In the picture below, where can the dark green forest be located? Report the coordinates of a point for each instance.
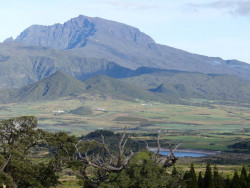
(32, 157)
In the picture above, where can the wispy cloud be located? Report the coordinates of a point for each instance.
(129, 5)
(234, 7)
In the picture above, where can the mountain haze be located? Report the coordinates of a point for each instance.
(125, 45)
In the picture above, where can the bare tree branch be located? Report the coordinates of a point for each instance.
(159, 147)
(107, 149)
(176, 147)
(166, 161)
(111, 163)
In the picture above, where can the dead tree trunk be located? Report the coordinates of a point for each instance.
(166, 161)
(112, 163)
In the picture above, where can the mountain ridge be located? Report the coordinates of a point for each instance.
(60, 85)
(125, 45)
(52, 87)
(22, 64)
(194, 85)
(174, 86)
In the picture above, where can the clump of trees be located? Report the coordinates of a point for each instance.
(96, 162)
(19, 137)
(213, 179)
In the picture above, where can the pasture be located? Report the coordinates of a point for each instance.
(211, 126)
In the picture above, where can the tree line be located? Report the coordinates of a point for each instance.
(102, 162)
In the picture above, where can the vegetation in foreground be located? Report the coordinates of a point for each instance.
(31, 157)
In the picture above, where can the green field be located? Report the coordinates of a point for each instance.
(212, 126)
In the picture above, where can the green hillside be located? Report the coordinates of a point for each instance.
(57, 85)
(60, 84)
(21, 65)
(117, 89)
(163, 86)
(177, 90)
(195, 85)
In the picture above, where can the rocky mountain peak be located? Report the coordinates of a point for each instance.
(77, 32)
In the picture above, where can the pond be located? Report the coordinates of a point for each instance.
(185, 153)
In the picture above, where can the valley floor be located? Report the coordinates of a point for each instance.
(205, 125)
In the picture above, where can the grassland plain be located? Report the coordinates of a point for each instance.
(212, 126)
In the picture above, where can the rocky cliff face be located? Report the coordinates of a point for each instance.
(76, 32)
(71, 34)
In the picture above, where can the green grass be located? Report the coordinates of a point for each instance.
(222, 125)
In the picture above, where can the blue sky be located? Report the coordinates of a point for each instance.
(219, 28)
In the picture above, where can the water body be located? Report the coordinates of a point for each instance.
(186, 152)
(183, 154)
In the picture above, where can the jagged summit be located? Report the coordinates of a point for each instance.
(76, 32)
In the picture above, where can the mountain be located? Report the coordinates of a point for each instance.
(125, 45)
(115, 88)
(194, 85)
(85, 47)
(177, 90)
(171, 87)
(22, 64)
(55, 86)
(60, 84)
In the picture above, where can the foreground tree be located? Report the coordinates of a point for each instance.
(218, 180)
(147, 174)
(97, 163)
(190, 179)
(200, 181)
(18, 137)
(151, 172)
(208, 179)
(98, 155)
(235, 181)
(243, 178)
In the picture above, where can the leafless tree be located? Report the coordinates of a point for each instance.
(166, 161)
(110, 163)
(106, 163)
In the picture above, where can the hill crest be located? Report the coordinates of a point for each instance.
(52, 87)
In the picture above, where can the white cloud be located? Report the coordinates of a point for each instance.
(234, 7)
